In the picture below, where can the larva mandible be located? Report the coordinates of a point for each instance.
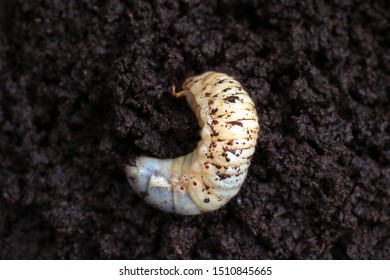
(214, 172)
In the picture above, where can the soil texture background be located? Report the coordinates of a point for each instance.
(85, 85)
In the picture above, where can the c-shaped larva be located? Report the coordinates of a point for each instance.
(214, 172)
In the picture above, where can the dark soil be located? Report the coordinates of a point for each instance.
(86, 85)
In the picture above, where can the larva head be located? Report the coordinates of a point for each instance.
(193, 88)
(195, 84)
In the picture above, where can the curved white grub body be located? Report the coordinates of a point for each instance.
(214, 172)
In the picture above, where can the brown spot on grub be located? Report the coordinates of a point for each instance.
(231, 99)
(236, 123)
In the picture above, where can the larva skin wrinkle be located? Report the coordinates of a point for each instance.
(214, 172)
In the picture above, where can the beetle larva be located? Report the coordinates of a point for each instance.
(210, 176)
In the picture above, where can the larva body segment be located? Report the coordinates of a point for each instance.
(214, 172)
